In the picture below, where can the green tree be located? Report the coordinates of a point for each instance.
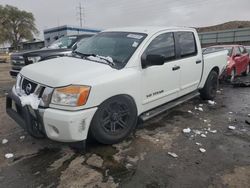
(16, 25)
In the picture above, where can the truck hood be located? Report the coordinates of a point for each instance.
(64, 71)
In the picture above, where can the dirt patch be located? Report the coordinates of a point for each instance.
(240, 177)
(80, 175)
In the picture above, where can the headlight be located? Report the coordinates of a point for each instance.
(71, 95)
(34, 59)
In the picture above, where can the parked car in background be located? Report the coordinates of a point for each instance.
(61, 47)
(111, 80)
(238, 60)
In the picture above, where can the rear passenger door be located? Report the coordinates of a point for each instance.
(190, 61)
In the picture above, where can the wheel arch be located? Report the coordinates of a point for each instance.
(125, 96)
(216, 69)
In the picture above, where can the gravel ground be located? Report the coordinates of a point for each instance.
(144, 159)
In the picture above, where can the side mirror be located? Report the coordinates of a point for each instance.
(152, 60)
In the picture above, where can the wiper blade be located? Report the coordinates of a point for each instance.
(107, 60)
(82, 54)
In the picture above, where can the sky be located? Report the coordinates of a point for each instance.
(102, 14)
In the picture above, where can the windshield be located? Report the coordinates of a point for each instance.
(219, 48)
(64, 42)
(118, 46)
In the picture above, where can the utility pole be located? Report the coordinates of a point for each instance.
(81, 14)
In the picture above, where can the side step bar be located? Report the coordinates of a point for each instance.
(158, 110)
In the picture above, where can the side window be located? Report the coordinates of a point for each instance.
(163, 45)
(243, 50)
(237, 50)
(187, 44)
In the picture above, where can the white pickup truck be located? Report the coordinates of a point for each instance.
(112, 80)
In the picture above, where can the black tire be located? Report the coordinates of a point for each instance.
(114, 120)
(247, 70)
(208, 92)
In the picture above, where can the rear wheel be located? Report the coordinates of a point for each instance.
(247, 70)
(114, 120)
(208, 92)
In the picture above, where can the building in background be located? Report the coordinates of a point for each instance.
(52, 34)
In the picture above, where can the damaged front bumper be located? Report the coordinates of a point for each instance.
(58, 125)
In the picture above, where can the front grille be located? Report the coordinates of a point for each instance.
(28, 87)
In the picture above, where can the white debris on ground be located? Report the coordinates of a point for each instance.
(200, 105)
(187, 130)
(197, 132)
(4, 141)
(248, 115)
(213, 131)
(199, 108)
(9, 155)
(205, 121)
(22, 137)
(129, 166)
(211, 102)
(218, 91)
(31, 100)
(198, 144)
(203, 135)
(230, 112)
(202, 150)
(231, 127)
(189, 111)
(174, 155)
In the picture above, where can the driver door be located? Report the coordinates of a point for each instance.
(161, 83)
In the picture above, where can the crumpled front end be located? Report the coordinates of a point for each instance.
(28, 104)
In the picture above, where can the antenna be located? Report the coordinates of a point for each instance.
(81, 14)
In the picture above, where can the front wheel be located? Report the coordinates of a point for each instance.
(208, 92)
(114, 120)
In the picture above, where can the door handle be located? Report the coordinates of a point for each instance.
(175, 68)
(198, 61)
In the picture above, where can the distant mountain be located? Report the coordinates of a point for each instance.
(225, 26)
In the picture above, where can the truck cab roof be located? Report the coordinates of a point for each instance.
(149, 30)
